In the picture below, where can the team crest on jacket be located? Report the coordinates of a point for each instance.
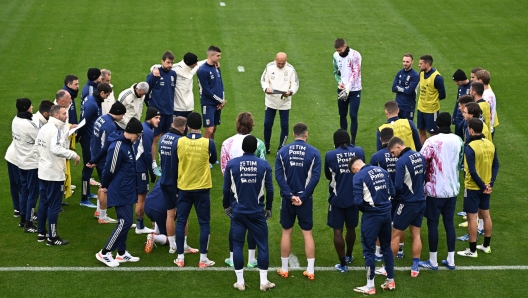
(207, 121)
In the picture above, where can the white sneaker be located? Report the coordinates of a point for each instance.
(240, 287)
(468, 253)
(73, 187)
(106, 220)
(189, 250)
(172, 250)
(484, 248)
(127, 257)
(145, 230)
(381, 271)
(267, 286)
(107, 259)
(365, 290)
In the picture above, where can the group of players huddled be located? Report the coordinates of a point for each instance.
(409, 177)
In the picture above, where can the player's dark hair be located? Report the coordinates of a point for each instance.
(167, 55)
(474, 109)
(214, 49)
(300, 129)
(338, 43)
(352, 161)
(483, 75)
(103, 87)
(427, 59)
(395, 141)
(244, 123)
(476, 69)
(69, 79)
(465, 99)
(45, 106)
(391, 106)
(179, 122)
(478, 87)
(386, 134)
(476, 124)
(408, 55)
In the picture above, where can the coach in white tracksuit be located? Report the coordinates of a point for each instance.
(132, 98)
(279, 81)
(49, 147)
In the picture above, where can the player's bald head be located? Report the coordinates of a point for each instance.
(280, 59)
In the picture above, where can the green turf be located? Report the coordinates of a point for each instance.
(42, 41)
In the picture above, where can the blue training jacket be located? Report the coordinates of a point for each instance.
(87, 90)
(155, 200)
(410, 176)
(408, 80)
(161, 95)
(457, 117)
(211, 85)
(373, 190)
(143, 149)
(104, 126)
(297, 170)
(384, 159)
(168, 158)
(90, 110)
(72, 111)
(245, 179)
(119, 173)
(336, 170)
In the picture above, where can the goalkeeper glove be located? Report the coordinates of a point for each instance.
(343, 95)
(267, 213)
(228, 211)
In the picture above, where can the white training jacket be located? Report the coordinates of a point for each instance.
(39, 119)
(133, 105)
(24, 133)
(66, 128)
(183, 92)
(10, 156)
(279, 79)
(106, 105)
(50, 149)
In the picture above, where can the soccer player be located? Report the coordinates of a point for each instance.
(168, 181)
(342, 210)
(212, 97)
(161, 96)
(279, 81)
(347, 72)
(404, 85)
(373, 188)
(90, 112)
(132, 98)
(245, 178)
(24, 132)
(432, 90)
(483, 76)
(476, 90)
(52, 155)
(409, 184)
(232, 148)
(119, 182)
(71, 85)
(481, 167)
(94, 78)
(194, 153)
(297, 171)
(103, 127)
(473, 110)
(106, 77)
(145, 166)
(443, 155)
(460, 79)
(183, 94)
(403, 128)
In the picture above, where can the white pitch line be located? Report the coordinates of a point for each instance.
(143, 269)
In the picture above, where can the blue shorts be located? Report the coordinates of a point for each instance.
(339, 216)
(164, 125)
(436, 206)
(408, 215)
(142, 183)
(211, 116)
(406, 115)
(475, 200)
(182, 114)
(303, 213)
(160, 218)
(169, 195)
(427, 121)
